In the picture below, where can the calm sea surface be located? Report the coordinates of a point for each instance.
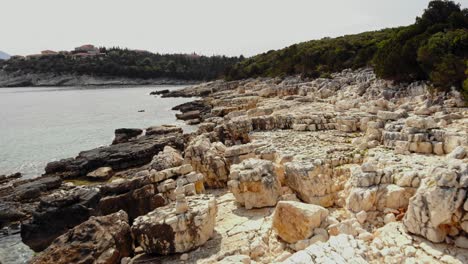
(39, 125)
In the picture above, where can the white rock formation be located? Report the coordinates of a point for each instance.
(254, 183)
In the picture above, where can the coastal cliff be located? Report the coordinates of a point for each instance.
(51, 79)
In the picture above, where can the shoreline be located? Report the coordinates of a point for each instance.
(96, 128)
(358, 154)
(14, 80)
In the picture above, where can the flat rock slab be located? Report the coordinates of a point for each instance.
(119, 157)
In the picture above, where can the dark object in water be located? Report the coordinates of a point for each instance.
(159, 92)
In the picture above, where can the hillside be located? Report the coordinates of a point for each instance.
(122, 63)
(434, 48)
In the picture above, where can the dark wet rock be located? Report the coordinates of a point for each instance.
(6, 191)
(136, 202)
(104, 239)
(122, 156)
(8, 178)
(33, 189)
(189, 115)
(192, 106)
(10, 212)
(125, 134)
(56, 214)
(159, 92)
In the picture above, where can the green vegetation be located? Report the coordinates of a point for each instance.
(125, 63)
(434, 48)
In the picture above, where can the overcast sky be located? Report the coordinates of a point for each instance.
(230, 27)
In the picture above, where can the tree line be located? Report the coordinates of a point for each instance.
(125, 63)
(434, 48)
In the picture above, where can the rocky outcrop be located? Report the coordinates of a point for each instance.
(56, 214)
(254, 183)
(163, 130)
(125, 134)
(120, 156)
(104, 239)
(172, 229)
(35, 188)
(6, 178)
(295, 221)
(135, 202)
(208, 158)
(166, 159)
(439, 209)
(101, 174)
(386, 160)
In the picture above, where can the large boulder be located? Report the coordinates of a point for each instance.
(101, 174)
(178, 227)
(135, 202)
(440, 206)
(254, 183)
(294, 221)
(314, 183)
(166, 159)
(125, 134)
(56, 214)
(208, 158)
(104, 239)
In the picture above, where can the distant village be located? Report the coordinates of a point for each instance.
(87, 50)
(81, 51)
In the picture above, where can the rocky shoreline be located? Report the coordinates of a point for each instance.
(49, 79)
(347, 169)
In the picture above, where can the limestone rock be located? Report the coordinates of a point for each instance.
(458, 153)
(236, 259)
(339, 249)
(438, 203)
(164, 231)
(104, 239)
(208, 158)
(294, 221)
(254, 183)
(166, 159)
(101, 174)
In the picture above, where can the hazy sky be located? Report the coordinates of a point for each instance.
(207, 27)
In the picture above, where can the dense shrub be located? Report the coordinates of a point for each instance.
(433, 48)
(126, 63)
